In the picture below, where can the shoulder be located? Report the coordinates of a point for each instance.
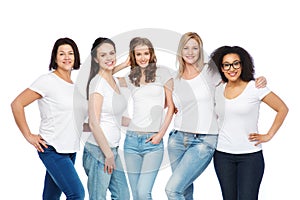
(45, 78)
(258, 92)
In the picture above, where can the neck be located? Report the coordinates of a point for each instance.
(190, 71)
(235, 83)
(107, 74)
(65, 75)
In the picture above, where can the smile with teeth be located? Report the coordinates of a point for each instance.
(109, 63)
(232, 74)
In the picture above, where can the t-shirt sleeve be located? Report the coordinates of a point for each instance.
(262, 92)
(40, 85)
(97, 86)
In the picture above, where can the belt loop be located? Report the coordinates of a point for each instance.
(195, 136)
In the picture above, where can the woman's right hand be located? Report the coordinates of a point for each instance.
(37, 141)
(109, 165)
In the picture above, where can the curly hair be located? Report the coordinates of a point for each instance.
(136, 71)
(248, 69)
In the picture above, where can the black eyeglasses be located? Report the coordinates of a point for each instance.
(235, 65)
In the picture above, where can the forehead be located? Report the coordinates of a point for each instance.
(191, 42)
(65, 47)
(231, 57)
(141, 48)
(105, 47)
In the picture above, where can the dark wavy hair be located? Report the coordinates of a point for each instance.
(135, 71)
(95, 66)
(63, 41)
(247, 65)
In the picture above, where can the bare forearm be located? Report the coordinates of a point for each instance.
(20, 119)
(280, 116)
(101, 140)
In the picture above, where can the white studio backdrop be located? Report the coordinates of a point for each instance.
(267, 29)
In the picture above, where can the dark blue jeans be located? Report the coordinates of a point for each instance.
(61, 175)
(239, 175)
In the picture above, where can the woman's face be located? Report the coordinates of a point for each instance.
(65, 57)
(231, 66)
(191, 52)
(106, 56)
(142, 55)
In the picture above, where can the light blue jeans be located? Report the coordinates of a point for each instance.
(189, 156)
(98, 181)
(143, 161)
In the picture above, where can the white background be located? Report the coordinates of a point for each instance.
(269, 30)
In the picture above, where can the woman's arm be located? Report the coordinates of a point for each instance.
(121, 66)
(168, 87)
(94, 107)
(17, 106)
(280, 107)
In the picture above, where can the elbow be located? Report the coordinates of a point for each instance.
(14, 105)
(92, 125)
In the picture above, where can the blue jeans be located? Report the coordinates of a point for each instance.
(143, 161)
(239, 175)
(99, 181)
(61, 175)
(189, 156)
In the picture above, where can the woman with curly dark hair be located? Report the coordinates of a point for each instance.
(238, 159)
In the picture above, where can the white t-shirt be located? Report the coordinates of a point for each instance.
(113, 106)
(148, 103)
(58, 127)
(238, 117)
(194, 100)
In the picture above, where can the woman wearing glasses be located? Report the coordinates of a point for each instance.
(238, 158)
(193, 140)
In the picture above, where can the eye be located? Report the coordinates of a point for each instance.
(236, 63)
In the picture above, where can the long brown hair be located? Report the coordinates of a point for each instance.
(135, 71)
(95, 66)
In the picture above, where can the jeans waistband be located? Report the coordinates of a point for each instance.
(195, 135)
(139, 134)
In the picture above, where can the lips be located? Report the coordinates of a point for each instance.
(109, 64)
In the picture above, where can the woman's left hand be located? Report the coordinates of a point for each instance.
(259, 138)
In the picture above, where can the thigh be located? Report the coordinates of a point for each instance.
(98, 180)
(250, 173)
(176, 148)
(226, 170)
(118, 183)
(61, 169)
(194, 161)
(150, 167)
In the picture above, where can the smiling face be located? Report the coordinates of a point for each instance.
(65, 57)
(191, 52)
(231, 67)
(142, 55)
(106, 56)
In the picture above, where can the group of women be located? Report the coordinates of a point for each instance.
(215, 106)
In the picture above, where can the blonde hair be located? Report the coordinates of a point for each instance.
(184, 39)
